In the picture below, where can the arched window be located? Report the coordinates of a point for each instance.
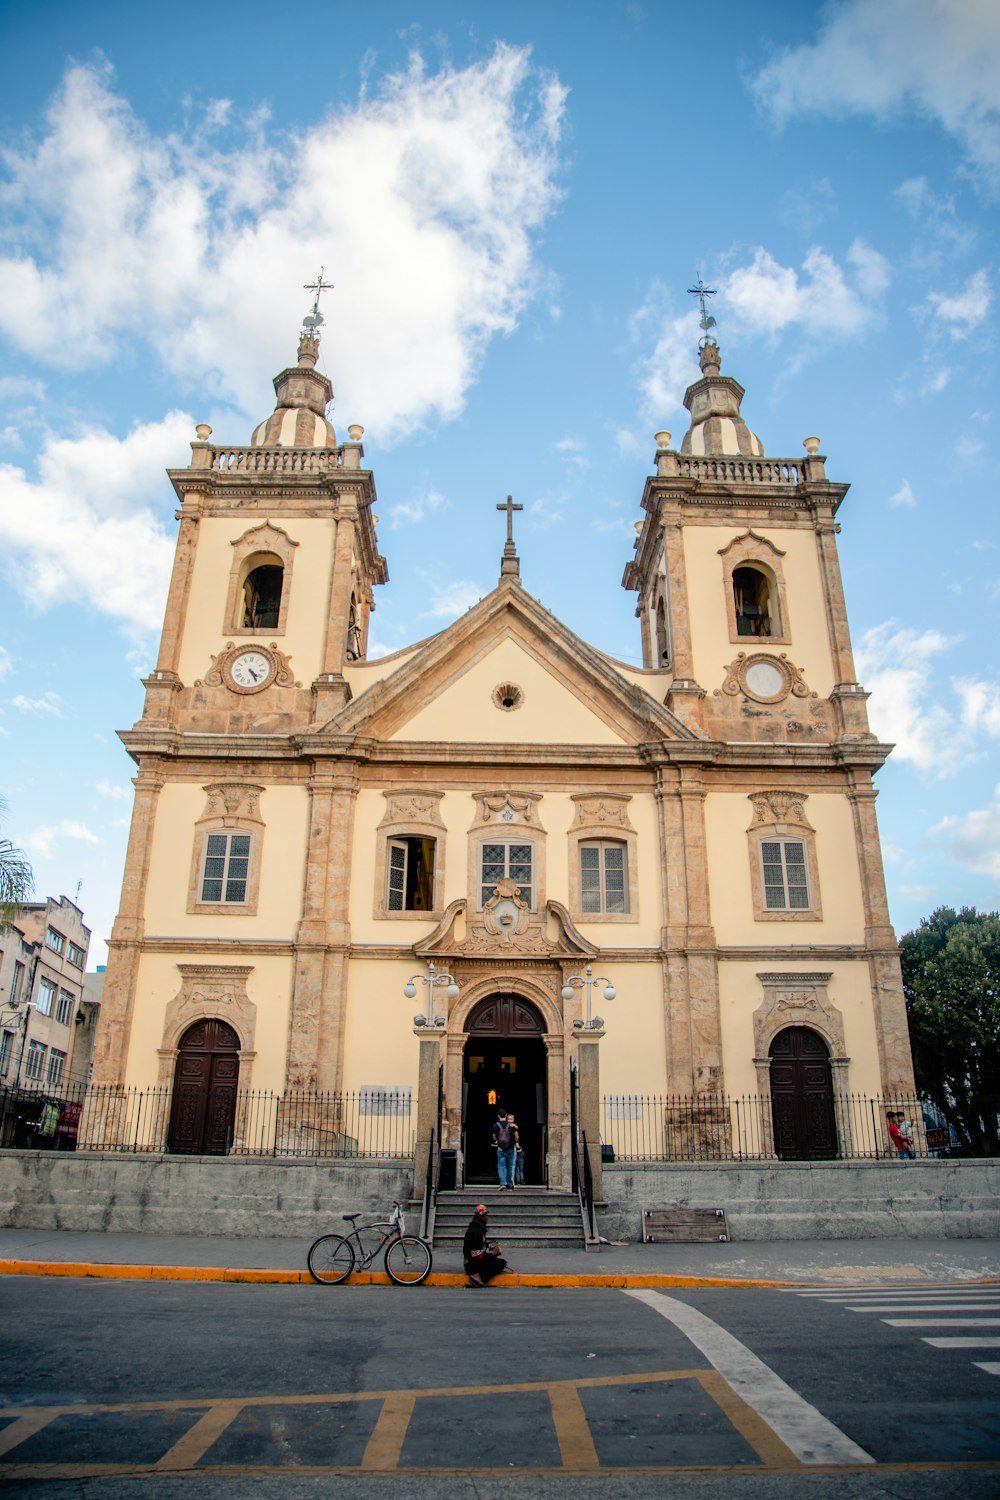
(752, 598)
(354, 649)
(662, 642)
(262, 596)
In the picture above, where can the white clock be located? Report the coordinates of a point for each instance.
(251, 670)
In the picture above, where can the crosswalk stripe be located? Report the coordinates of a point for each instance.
(942, 1322)
(991, 1366)
(971, 1343)
(908, 1306)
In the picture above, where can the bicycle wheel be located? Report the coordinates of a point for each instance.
(408, 1260)
(330, 1259)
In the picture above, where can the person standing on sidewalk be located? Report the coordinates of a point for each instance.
(505, 1140)
(518, 1150)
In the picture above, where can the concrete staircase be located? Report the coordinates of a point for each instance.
(529, 1217)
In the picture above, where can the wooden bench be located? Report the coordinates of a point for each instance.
(684, 1226)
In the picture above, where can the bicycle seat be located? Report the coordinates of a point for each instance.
(350, 1216)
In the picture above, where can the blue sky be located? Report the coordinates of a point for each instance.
(511, 204)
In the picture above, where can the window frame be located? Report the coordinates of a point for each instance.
(783, 845)
(232, 808)
(66, 1002)
(226, 877)
(602, 817)
(506, 841)
(55, 1053)
(55, 940)
(34, 1060)
(603, 846)
(750, 550)
(6, 1050)
(780, 817)
(411, 813)
(49, 988)
(265, 546)
(76, 955)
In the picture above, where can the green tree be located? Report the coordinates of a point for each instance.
(951, 979)
(16, 878)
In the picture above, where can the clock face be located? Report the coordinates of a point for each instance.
(764, 678)
(251, 671)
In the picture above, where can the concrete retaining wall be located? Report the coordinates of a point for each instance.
(193, 1194)
(835, 1200)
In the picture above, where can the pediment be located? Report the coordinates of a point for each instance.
(547, 936)
(508, 672)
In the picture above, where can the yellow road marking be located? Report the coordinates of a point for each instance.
(576, 1445)
(386, 1442)
(198, 1439)
(748, 1423)
(26, 1426)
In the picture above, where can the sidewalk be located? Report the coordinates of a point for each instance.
(41, 1252)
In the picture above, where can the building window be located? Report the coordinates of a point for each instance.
(508, 861)
(603, 878)
(786, 882)
(226, 871)
(54, 940)
(57, 1061)
(34, 1061)
(784, 872)
(756, 598)
(46, 997)
(260, 581)
(6, 1048)
(752, 600)
(16, 983)
(262, 597)
(410, 885)
(64, 1010)
(76, 955)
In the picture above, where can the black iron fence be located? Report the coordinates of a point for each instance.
(238, 1122)
(645, 1127)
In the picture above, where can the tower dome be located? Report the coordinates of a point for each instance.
(302, 395)
(714, 404)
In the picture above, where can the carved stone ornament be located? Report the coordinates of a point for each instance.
(505, 928)
(505, 915)
(508, 696)
(764, 678)
(779, 807)
(607, 809)
(412, 806)
(514, 808)
(232, 800)
(218, 673)
(210, 990)
(797, 1000)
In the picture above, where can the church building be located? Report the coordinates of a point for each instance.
(498, 866)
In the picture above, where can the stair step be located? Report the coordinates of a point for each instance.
(528, 1218)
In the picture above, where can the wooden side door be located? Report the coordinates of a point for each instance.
(206, 1077)
(802, 1096)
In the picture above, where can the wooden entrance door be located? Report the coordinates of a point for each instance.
(203, 1111)
(505, 1064)
(805, 1128)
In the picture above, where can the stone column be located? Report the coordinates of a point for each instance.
(677, 594)
(330, 689)
(762, 1066)
(589, 1076)
(840, 1079)
(430, 1038)
(558, 1144)
(125, 942)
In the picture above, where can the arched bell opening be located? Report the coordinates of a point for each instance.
(505, 1063)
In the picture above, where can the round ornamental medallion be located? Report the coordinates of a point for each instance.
(251, 670)
(508, 696)
(764, 678)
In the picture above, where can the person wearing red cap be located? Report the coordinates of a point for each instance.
(480, 1265)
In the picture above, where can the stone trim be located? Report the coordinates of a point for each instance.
(780, 814)
(230, 807)
(413, 811)
(209, 992)
(505, 817)
(603, 816)
(251, 550)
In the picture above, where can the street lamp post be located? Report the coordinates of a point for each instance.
(430, 979)
(587, 980)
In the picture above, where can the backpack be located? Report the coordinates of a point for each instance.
(503, 1136)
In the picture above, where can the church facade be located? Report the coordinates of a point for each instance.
(502, 820)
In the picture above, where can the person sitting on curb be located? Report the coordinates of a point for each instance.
(480, 1265)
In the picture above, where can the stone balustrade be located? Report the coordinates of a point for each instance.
(278, 462)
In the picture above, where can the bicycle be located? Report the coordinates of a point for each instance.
(333, 1257)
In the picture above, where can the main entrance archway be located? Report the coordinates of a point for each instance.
(805, 1127)
(203, 1111)
(504, 1064)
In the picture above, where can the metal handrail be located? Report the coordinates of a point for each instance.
(587, 1191)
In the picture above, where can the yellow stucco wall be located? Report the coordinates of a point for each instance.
(728, 815)
(809, 647)
(281, 850)
(633, 1057)
(849, 991)
(380, 1048)
(550, 713)
(205, 631)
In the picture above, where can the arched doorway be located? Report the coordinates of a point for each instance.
(805, 1127)
(206, 1076)
(505, 1064)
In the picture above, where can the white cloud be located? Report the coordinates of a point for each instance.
(895, 664)
(116, 793)
(965, 310)
(48, 704)
(409, 511)
(903, 496)
(574, 450)
(937, 58)
(6, 661)
(453, 599)
(974, 838)
(980, 706)
(40, 842)
(70, 531)
(426, 193)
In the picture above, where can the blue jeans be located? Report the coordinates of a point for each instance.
(505, 1166)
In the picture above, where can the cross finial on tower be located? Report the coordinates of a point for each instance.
(312, 321)
(705, 322)
(510, 565)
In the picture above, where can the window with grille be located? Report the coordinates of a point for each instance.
(34, 1061)
(227, 868)
(410, 874)
(46, 997)
(57, 1061)
(508, 861)
(64, 1009)
(603, 878)
(786, 881)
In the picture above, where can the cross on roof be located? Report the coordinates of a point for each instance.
(510, 508)
(315, 318)
(509, 565)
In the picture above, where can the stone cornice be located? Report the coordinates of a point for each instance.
(198, 952)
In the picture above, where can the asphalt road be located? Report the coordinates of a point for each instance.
(112, 1389)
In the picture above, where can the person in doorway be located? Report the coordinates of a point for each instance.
(518, 1150)
(505, 1140)
(481, 1265)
